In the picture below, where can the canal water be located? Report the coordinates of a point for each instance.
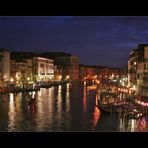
(69, 107)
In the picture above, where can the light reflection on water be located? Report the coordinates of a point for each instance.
(69, 107)
(11, 113)
(95, 118)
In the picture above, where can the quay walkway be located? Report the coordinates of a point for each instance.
(37, 87)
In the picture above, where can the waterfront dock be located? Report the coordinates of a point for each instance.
(4, 90)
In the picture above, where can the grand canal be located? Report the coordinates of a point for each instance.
(69, 107)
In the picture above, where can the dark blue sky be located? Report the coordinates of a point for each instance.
(96, 40)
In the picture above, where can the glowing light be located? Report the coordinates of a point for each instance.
(93, 87)
(59, 98)
(133, 123)
(33, 94)
(28, 78)
(84, 83)
(11, 114)
(98, 82)
(60, 77)
(94, 118)
(11, 79)
(11, 97)
(142, 124)
(67, 77)
(16, 75)
(67, 98)
(142, 103)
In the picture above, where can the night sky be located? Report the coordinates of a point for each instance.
(96, 40)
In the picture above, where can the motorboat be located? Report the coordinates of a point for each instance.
(134, 114)
(115, 107)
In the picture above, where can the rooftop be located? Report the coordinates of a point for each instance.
(2, 50)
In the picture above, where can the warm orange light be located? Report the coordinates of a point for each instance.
(95, 118)
(16, 75)
(60, 77)
(11, 79)
(98, 82)
(67, 77)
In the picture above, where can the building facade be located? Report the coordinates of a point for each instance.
(138, 69)
(90, 72)
(43, 69)
(67, 65)
(21, 71)
(4, 66)
(74, 68)
(82, 72)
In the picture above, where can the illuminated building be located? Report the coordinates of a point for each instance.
(112, 73)
(132, 68)
(138, 69)
(82, 72)
(100, 72)
(74, 68)
(21, 70)
(66, 64)
(29, 67)
(57, 72)
(90, 72)
(4, 66)
(1, 70)
(43, 69)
